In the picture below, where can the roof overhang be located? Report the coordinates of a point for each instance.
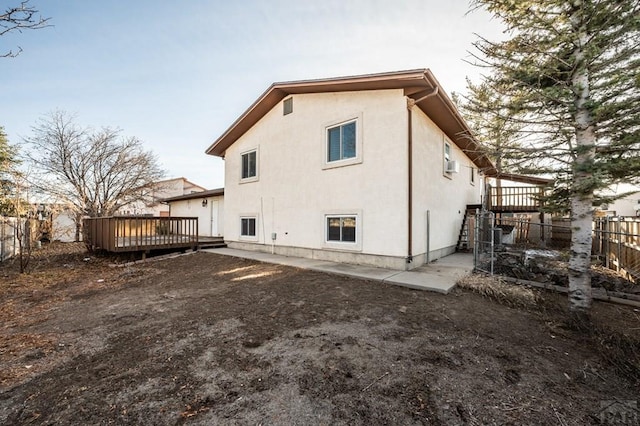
(415, 84)
(531, 180)
(195, 195)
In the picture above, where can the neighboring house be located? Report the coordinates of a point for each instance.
(375, 169)
(63, 226)
(153, 205)
(626, 206)
(207, 206)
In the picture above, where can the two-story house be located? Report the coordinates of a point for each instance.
(375, 169)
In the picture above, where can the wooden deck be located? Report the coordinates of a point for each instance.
(135, 233)
(515, 199)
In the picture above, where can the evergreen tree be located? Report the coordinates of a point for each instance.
(569, 72)
(487, 114)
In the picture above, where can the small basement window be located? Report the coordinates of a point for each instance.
(248, 226)
(341, 229)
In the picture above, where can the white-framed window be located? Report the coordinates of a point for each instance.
(472, 176)
(343, 142)
(446, 157)
(341, 229)
(248, 226)
(249, 165)
(287, 106)
(447, 154)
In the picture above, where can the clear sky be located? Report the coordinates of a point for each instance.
(176, 74)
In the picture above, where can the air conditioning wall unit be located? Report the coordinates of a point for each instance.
(453, 167)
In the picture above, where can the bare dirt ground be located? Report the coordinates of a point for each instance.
(208, 339)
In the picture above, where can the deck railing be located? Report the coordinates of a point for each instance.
(136, 233)
(515, 198)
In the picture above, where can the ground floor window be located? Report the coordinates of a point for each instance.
(341, 228)
(248, 226)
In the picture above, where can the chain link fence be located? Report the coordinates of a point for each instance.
(484, 238)
(496, 235)
(616, 240)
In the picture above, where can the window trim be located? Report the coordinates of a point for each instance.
(257, 175)
(249, 237)
(355, 118)
(342, 245)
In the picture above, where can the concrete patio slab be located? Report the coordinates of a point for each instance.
(440, 276)
(423, 281)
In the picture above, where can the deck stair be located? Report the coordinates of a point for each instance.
(464, 240)
(211, 242)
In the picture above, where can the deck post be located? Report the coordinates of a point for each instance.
(619, 238)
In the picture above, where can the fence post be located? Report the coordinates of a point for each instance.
(493, 247)
(619, 238)
(606, 241)
(476, 237)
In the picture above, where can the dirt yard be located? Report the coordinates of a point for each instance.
(208, 339)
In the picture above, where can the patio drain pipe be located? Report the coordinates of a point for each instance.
(410, 103)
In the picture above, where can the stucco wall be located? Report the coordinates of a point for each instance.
(294, 189)
(444, 195)
(625, 206)
(210, 217)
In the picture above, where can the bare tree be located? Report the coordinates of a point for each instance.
(18, 18)
(96, 172)
(23, 223)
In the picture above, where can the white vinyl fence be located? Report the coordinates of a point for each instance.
(8, 240)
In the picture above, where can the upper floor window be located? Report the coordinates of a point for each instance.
(250, 164)
(447, 154)
(472, 178)
(446, 157)
(341, 142)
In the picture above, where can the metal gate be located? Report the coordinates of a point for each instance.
(485, 234)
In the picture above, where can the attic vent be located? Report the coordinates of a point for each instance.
(287, 106)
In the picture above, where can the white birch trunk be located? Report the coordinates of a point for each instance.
(581, 197)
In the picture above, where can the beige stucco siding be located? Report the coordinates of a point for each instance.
(295, 190)
(210, 216)
(444, 195)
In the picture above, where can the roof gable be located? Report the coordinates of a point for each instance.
(420, 86)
